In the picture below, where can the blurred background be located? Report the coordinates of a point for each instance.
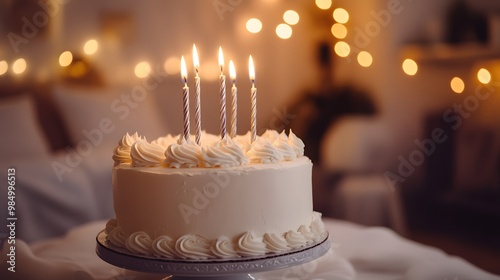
(397, 102)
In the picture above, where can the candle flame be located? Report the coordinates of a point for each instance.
(251, 69)
(221, 59)
(232, 71)
(196, 61)
(183, 70)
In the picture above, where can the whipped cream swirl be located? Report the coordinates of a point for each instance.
(263, 151)
(295, 239)
(139, 243)
(193, 246)
(284, 147)
(224, 153)
(250, 246)
(183, 154)
(296, 143)
(122, 151)
(275, 243)
(145, 154)
(223, 248)
(164, 246)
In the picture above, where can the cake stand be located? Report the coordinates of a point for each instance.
(234, 269)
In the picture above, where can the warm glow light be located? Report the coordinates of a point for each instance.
(291, 17)
(65, 58)
(3, 67)
(365, 59)
(324, 4)
(484, 76)
(410, 67)
(284, 31)
(90, 47)
(341, 15)
(342, 49)
(19, 66)
(184, 73)
(457, 85)
(251, 69)
(196, 60)
(142, 69)
(254, 25)
(171, 65)
(232, 71)
(221, 59)
(339, 31)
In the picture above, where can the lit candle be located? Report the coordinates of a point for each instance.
(197, 116)
(253, 96)
(222, 96)
(185, 99)
(234, 95)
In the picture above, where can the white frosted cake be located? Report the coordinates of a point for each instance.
(223, 199)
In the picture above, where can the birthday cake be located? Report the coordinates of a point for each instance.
(226, 198)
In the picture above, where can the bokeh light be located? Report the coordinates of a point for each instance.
(342, 49)
(142, 69)
(339, 31)
(19, 66)
(484, 76)
(90, 47)
(291, 17)
(171, 65)
(284, 31)
(457, 85)
(340, 15)
(324, 4)
(365, 59)
(65, 58)
(410, 67)
(4, 66)
(254, 25)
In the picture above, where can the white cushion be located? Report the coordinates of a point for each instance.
(22, 136)
(103, 116)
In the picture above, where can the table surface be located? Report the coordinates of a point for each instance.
(357, 252)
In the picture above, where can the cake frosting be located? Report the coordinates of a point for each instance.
(224, 199)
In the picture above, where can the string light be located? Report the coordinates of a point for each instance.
(4, 66)
(19, 66)
(291, 17)
(410, 67)
(457, 85)
(142, 69)
(65, 58)
(324, 4)
(339, 31)
(90, 47)
(484, 76)
(254, 25)
(365, 59)
(340, 15)
(342, 49)
(284, 31)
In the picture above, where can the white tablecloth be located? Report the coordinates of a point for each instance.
(357, 253)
